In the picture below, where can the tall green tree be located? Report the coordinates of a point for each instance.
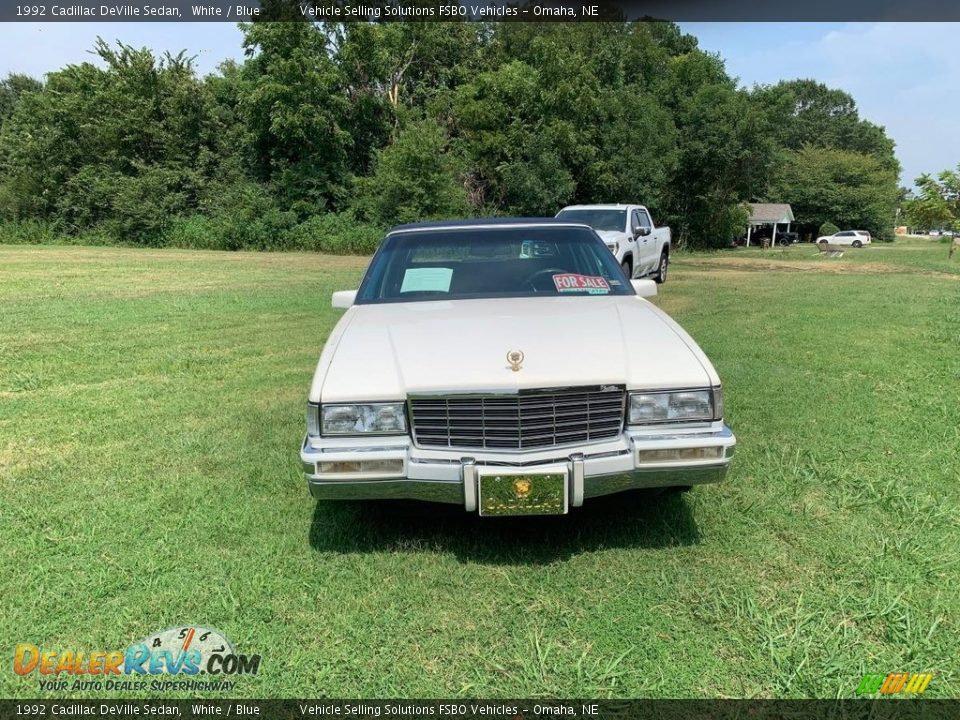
(810, 113)
(568, 114)
(12, 88)
(832, 165)
(295, 106)
(850, 189)
(417, 177)
(512, 141)
(725, 152)
(395, 121)
(410, 64)
(936, 203)
(123, 147)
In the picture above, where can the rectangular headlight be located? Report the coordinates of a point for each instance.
(648, 408)
(379, 418)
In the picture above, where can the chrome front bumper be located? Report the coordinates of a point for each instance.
(449, 476)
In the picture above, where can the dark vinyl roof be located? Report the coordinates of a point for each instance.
(481, 222)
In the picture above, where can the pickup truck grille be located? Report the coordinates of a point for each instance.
(529, 419)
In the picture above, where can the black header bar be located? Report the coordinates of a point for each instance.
(475, 10)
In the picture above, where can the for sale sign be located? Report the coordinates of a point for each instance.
(571, 282)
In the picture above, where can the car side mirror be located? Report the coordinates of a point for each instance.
(644, 288)
(641, 232)
(344, 298)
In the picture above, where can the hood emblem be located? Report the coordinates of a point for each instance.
(515, 358)
(521, 488)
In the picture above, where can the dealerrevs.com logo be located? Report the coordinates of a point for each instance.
(183, 653)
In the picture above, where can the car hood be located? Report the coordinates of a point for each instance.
(388, 351)
(609, 236)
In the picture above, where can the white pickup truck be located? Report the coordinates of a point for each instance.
(641, 248)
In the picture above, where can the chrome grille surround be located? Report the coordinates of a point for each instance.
(527, 420)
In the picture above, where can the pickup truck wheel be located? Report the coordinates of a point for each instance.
(661, 276)
(627, 270)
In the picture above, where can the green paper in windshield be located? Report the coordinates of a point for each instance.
(427, 280)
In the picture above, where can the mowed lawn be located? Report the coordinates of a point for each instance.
(151, 409)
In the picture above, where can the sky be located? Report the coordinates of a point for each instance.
(903, 76)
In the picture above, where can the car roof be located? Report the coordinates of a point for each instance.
(603, 206)
(484, 222)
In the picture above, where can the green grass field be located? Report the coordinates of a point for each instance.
(151, 409)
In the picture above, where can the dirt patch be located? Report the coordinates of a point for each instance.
(826, 265)
(753, 264)
(95, 255)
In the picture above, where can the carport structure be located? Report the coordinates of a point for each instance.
(763, 214)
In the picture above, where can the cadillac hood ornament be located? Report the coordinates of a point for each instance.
(515, 358)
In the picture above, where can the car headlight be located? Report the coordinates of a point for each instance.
(383, 418)
(647, 408)
(313, 419)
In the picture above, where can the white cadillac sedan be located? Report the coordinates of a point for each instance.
(509, 367)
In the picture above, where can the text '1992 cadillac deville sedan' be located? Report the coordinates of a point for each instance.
(510, 367)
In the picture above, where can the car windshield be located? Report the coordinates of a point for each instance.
(491, 262)
(597, 219)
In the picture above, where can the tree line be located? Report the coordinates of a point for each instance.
(935, 205)
(326, 133)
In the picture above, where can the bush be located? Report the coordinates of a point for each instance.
(332, 233)
(41, 232)
(239, 216)
(29, 232)
(269, 231)
(828, 228)
(416, 178)
(196, 231)
(336, 234)
(135, 209)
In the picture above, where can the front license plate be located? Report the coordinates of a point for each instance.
(521, 493)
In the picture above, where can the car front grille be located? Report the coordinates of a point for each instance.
(527, 420)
